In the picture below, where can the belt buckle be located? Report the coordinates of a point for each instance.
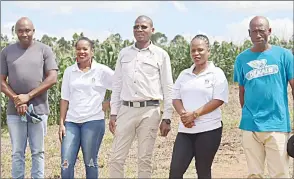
(136, 104)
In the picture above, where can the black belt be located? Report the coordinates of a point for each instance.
(138, 104)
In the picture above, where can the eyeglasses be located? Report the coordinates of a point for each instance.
(143, 27)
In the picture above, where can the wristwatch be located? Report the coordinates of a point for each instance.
(195, 114)
(168, 121)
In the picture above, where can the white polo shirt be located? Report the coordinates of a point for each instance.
(197, 90)
(85, 91)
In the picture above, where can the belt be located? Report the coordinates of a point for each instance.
(138, 104)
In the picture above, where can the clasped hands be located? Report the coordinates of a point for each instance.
(20, 102)
(187, 119)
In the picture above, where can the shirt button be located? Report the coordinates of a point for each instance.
(134, 81)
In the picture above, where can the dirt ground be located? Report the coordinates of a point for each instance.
(229, 162)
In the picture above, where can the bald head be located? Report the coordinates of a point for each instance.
(24, 30)
(144, 18)
(24, 21)
(259, 20)
(259, 32)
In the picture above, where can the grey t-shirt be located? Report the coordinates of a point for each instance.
(26, 70)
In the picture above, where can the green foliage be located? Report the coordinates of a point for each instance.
(223, 54)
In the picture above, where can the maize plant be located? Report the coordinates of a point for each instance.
(223, 54)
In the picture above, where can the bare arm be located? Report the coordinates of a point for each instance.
(292, 86)
(6, 89)
(63, 110)
(178, 105)
(241, 95)
(209, 107)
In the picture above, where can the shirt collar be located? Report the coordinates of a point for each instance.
(209, 68)
(93, 66)
(150, 47)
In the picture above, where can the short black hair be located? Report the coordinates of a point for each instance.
(145, 18)
(86, 39)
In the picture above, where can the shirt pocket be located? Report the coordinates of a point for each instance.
(150, 67)
(127, 65)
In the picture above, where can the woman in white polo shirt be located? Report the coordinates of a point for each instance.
(199, 92)
(81, 116)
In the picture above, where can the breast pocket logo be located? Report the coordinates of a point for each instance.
(260, 68)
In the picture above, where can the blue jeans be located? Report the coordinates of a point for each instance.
(20, 132)
(89, 136)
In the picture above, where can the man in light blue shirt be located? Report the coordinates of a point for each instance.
(263, 73)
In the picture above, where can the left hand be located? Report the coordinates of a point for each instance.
(105, 106)
(187, 118)
(21, 99)
(21, 109)
(164, 128)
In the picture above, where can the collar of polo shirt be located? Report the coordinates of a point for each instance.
(93, 66)
(209, 68)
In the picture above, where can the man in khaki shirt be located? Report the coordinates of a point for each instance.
(142, 78)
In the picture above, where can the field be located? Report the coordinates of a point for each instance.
(229, 162)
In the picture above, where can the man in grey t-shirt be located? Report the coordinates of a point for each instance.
(31, 70)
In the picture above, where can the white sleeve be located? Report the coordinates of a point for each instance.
(107, 77)
(65, 90)
(177, 87)
(221, 88)
(115, 101)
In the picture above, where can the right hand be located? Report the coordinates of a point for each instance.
(112, 124)
(21, 109)
(189, 124)
(61, 132)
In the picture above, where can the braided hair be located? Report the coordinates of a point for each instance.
(204, 38)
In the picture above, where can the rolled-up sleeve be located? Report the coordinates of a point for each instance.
(115, 101)
(167, 86)
(221, 88)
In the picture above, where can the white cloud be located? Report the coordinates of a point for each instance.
(68, 7)
(180, 6)
(282, 28)
(254, 7)
(238, 32)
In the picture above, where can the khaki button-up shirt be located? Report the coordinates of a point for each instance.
(142, 75)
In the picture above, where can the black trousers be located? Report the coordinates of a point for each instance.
(203, 146)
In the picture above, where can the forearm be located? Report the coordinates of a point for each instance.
(241, 99)
(44, 86)
(209, 107)
(63, 110)
(6, 89)
(178, 105)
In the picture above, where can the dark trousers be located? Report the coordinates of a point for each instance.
(203, 146)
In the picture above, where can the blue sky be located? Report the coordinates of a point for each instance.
(222, 20)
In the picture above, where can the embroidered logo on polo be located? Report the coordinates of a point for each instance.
(260, 69)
